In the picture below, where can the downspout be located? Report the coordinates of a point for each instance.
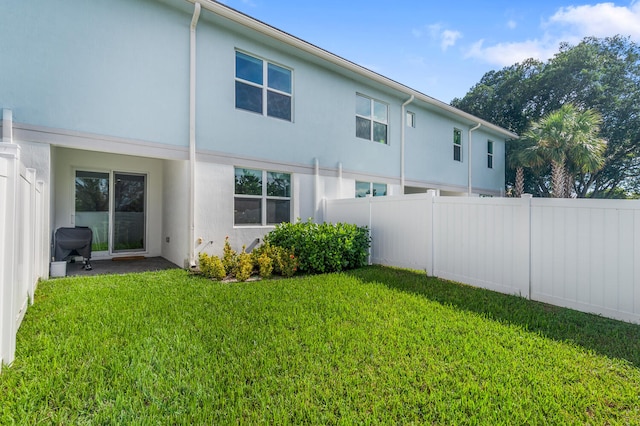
(316, 188)
(192, 134)
(471, 130)
(404, 125)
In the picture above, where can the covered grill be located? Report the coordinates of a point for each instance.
(73, 241)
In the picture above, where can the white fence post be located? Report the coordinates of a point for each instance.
(431, 251)
(10, 154)
(31, 231)
(525, 277)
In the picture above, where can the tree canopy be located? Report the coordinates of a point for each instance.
(597, 74)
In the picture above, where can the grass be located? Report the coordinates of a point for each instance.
(372, 346)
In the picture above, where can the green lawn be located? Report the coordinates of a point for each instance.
(376, 345)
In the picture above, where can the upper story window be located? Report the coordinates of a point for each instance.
(257, 203)
(371, 119)
(263, 87)
(411, 119)
(457, 145)
(490, 154)
(369, 188)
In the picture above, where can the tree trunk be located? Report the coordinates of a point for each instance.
(557, 179)
(568, 185)
(519, 182)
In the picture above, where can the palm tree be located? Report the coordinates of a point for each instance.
(568, 139)
(520, 157)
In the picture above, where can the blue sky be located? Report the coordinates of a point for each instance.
(443, 48)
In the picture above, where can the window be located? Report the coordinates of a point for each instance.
(366, 188)
(252, 94)
(411, 119)
(457, 145)
(490, 154)
(258, 204)
(371, 119)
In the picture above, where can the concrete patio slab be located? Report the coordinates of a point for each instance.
(120, 266)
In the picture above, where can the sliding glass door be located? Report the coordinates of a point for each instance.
(113, 205)
(129, 212)
(92, 206)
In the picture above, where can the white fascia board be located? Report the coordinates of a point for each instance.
(269, 31)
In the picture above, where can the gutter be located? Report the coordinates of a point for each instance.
(404, 126)
(272, 32)
(192, 134)
(471, 130)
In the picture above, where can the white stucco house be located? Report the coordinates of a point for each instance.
(169, 97)
(165, 125)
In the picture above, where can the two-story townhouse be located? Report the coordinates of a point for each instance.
(165, 125)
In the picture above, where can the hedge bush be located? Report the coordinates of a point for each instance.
(323, 247)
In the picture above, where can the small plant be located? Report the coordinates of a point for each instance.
(265, 265)
(211, 266)
(244, 266)
(288, 263)
(273, 259)
(229, 258)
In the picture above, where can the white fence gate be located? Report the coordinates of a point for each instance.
(581, 254)
(23, 244)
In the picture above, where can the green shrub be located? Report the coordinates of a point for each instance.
(281, 261)
(244, 266)
(211, 266)
(264, 264)
(229, 258)
(288, 262)
(323, 247)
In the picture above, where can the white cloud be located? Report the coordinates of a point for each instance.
(448, 38)
(569, 24)
(445, 37)
(600, 20)
(505, 54)
(511, 24)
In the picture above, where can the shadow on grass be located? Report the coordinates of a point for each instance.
(604, 336)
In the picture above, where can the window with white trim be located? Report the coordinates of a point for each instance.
(370, 188)
(263, 87)
(490, 154)
(411, 119)
(261, 197)
(457, 145)
(372, 119)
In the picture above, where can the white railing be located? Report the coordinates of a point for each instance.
(24, 244)
(581, 254)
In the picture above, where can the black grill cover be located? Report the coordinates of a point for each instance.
(70, 241)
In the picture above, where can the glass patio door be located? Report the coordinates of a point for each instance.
(129, 221)
(113, 205)
(92, 206)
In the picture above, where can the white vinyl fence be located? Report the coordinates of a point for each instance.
(581, 254)
(23, 244)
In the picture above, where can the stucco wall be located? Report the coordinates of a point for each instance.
(110, 67)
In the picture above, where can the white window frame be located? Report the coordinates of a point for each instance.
(411, 119)
(372, 118)
(457, 144)
(490, 148)
(265, 86)
(263, 197)
(370, 192)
